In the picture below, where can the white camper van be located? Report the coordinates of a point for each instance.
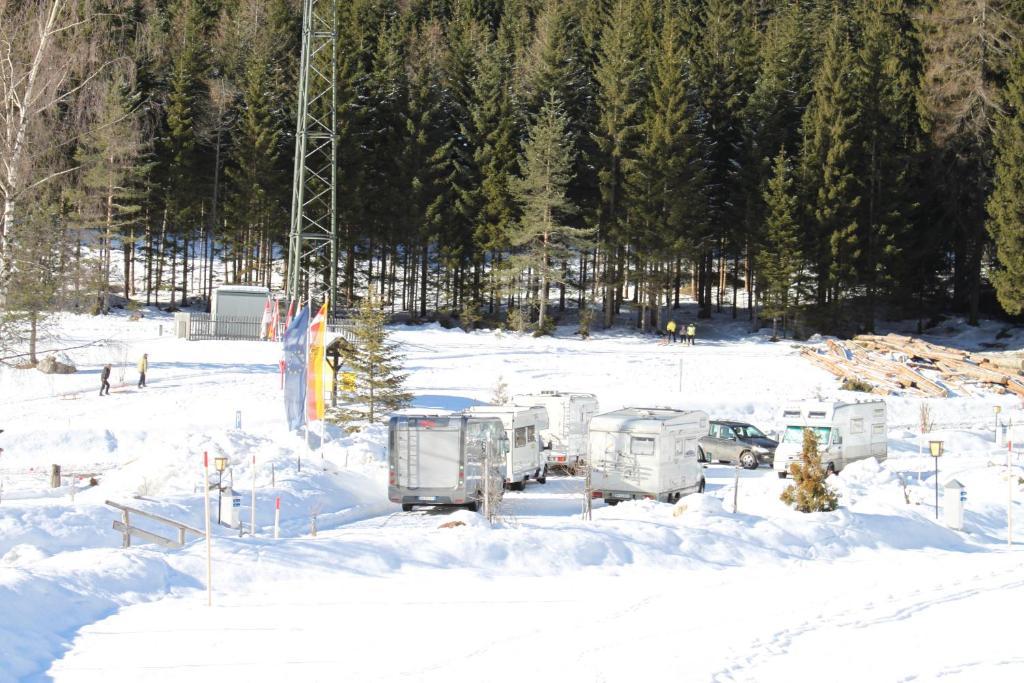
(522, 429)
(646, 453)
(569, 414)
(846, 432)
(440, 460)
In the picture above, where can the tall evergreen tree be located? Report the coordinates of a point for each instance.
(619, 104)
(1006, 204)
(543, 238)
(829, 172)
(779, 259)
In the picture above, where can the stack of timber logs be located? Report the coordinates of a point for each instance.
(895, 364)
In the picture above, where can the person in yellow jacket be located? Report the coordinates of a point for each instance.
(143, 367)
(671, 329)
(691, 333)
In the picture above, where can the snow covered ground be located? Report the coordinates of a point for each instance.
(877, 590)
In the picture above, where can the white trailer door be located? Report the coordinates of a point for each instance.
(429, 454)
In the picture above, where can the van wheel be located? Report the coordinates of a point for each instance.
(831, 469)
(782, 475)
(406, 507)
(472, 507)
(748, 461)
(613, 503)
(517, 485)
(543, 478)
(703, 483)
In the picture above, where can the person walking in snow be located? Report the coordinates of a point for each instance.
(143, 367)
(691, 333)
(671, 329)
(105, 380)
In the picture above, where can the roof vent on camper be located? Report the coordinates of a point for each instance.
(549, 392)
(790, 413)
(816, 414)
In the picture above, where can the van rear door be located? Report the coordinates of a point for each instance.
(429, 453)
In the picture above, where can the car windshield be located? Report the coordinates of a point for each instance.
(796, 434)
(748, 432)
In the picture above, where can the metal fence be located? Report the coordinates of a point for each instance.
(203, 327)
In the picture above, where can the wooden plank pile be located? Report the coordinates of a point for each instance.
(895, 364)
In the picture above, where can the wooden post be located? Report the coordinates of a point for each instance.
(54, 476)
(252, 509)
(127, 540)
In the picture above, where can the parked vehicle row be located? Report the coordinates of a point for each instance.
(632, 453)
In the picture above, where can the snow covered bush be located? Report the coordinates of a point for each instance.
(809, 491)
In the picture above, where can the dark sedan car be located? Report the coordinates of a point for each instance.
(732, 441)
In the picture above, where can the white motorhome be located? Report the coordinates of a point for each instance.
(846, 432)
(440, 460)
(646, 453)
(523, 425)
(567, 435)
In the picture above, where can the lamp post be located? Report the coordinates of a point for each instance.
(936, 449)
(220, 463)
(996, 410)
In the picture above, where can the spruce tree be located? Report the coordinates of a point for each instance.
(376, 363)
(809, 491)
(619, 100)
(1006, 204)
(828, 168)
(543, 239)
(779, 259)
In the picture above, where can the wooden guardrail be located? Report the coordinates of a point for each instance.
(127, 530)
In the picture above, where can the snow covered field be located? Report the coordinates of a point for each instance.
(876, 591)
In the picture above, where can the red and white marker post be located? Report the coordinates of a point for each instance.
(277, 517)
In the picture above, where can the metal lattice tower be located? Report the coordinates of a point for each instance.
(313, 239)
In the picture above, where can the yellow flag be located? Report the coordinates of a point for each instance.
(315, 376)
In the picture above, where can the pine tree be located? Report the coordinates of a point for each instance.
(543, 238)
(620, 101)
(828, 168)
(809, 491)
(966, 45)
(779, 259)
(113, 158)
(376, 363)
(667, 201)
(1006, 204)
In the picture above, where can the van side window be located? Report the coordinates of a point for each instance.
(641, 445)
(530, 435)
(878, 430)
(520, 436)
(857, 426)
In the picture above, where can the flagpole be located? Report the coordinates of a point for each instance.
(320, 398)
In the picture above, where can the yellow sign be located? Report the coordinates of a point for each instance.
(348, 381)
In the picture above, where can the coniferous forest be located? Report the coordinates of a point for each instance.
(835, 163)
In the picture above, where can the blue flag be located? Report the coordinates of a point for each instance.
(295, 369)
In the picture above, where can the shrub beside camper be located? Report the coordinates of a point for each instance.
(646, 453)
(846, 432)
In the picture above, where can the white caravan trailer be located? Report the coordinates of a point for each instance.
(523, 426)
(440, 460)
(569, 413)
(846, 432)
(646, 453)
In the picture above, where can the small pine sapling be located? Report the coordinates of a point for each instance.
(809, 491)
(586, 319)
(499, 395)
(469, 316)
